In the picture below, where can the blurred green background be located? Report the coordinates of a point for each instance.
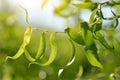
(11, 36)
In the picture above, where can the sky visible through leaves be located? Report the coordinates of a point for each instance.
(44, 17)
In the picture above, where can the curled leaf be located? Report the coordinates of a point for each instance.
(28, 56)
(70, 61)
(26, 41)
(18, 54)
(27, 21)
(41, 48)
(53, 52)
(27, 35)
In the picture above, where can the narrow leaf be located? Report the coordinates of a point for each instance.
(92, 59)
(18, 54)
(27, 21)
(27, 37)
(28, 56)
(66, 15)
(61, 6)
(97, 26)
(70, 61)
(41, 48)
(92, 17)
(87, 35)
(73, 54)
(102, 40)
(115, 20)
(80, 72)
(53, 52)
(87, 5)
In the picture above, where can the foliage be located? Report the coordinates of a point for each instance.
(89, 50)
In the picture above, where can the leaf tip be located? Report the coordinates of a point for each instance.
(7, 58)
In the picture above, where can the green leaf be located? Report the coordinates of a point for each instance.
(89, 41)
(92, 17)
(26, 41)
(44, 3)
(53, 52)
(92, 59)
(69, 13)
(27, 35)
(95, 23)
(18, 54)
(80, 73)
(70, 61)
(61, 6)
(115, 20)
(96, 27)
(27, 21)
(87, 5)
(28, 56)
(102, 40)
(42, 46)
(73, 54)
(91, 49)
(75, 35)
(87, 35)
(84, 26)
